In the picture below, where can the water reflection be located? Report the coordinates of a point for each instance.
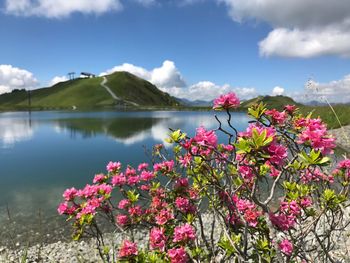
(14, 130)
(42, 154)
(130, 131)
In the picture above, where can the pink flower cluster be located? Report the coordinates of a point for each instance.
(287, 216)
(92, 197)
(184, 205)
(314, 133)
(226, 101)
(157, 238)
(246, 209)
(128, 249)
(184, 233)
(270, 131)
(178, 255)
(277, 116)
(286, 247)
(344, 166)
(205, 138)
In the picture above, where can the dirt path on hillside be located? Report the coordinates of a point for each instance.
(103, 84)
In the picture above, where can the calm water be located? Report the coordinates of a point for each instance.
(43, 153)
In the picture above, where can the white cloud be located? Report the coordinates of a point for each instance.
(310, 27)
(15, 78)
(334, 91)
(165, 76)
(57, 79)
(207, 91)
(276, 91)
(60, 8)
(146, 2)
(305, 43)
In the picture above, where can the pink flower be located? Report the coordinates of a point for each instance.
(164, 216)
(278, 153)
(130, 171)
(135, 211)
(184, 205)
(166, 166)
(146, 176)
(113, 166)
(184, 233)
(128, 249)
(118, 180)
(70, 194)
(178, 255)
(314, 133)
(122, 220)
(227, 101)
(305, 202)
(142, 166)
(181, 183)
(277, 117)
(246, 172)
(104, 189)
(282, 222)
(157, 238)
(99, 178)
(123, 204)
(290, 108)
(205, 138)
(270, 132)
(345, 164)
(145, 187)
(62, 208)
(132, 180)
(286, 247)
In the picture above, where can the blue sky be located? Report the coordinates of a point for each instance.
(190, 48)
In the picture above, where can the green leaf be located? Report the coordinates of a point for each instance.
(132, 196)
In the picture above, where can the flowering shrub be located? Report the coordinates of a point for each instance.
(268, 195)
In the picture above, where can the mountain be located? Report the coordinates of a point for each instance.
(125, 89)
(195, 103)
(277, 102)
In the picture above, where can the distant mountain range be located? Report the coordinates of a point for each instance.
(120, 89)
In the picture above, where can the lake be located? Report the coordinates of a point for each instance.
(43, 153)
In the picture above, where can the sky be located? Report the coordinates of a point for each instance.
(193, 49)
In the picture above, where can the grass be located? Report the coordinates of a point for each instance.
(132, 88)
(326, 114)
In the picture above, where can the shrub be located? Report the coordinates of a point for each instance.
(268, 195)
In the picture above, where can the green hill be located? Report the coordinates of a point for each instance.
(277, 102)
(88, 93)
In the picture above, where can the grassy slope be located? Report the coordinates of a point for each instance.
(277, 102)
(88, 93)
(325, 112)
(132, 88)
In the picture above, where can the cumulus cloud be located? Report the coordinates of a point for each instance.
(276, 91)
(15, 78)
(310, 27)
(57, 79)
(163, 77)
(334, 91)
(60, 8)
(207, 91)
